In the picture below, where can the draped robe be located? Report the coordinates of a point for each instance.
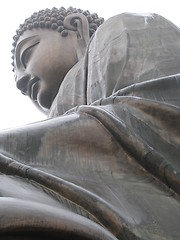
(105, 165)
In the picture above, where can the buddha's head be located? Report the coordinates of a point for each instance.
(47, 46)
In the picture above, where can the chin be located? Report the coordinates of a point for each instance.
(45, 100)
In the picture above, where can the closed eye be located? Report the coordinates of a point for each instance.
(27, 54)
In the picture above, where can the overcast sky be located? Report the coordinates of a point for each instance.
(17, 109)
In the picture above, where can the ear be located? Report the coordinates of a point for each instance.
(79, 23)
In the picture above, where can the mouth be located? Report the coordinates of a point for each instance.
(33, 87)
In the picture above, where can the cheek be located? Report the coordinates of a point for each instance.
(37, 67)
(49, 73)
(39, 62)
(49, 64)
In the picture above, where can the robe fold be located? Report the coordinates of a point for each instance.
(106, 164)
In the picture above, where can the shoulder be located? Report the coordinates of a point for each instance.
(131, 20)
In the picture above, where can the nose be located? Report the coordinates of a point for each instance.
(22, 83)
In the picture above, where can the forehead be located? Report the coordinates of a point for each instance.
(30, 36)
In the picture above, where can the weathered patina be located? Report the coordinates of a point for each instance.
(105, 164)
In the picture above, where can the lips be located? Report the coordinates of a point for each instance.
(33, 87)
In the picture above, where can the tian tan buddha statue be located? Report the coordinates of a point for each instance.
(105, 164)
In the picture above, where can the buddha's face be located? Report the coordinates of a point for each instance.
(42, 59)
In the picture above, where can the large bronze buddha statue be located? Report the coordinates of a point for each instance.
(105, 164)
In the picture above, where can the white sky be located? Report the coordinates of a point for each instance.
(17, 109)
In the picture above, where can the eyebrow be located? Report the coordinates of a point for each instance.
(24, 41)
(19, 47)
